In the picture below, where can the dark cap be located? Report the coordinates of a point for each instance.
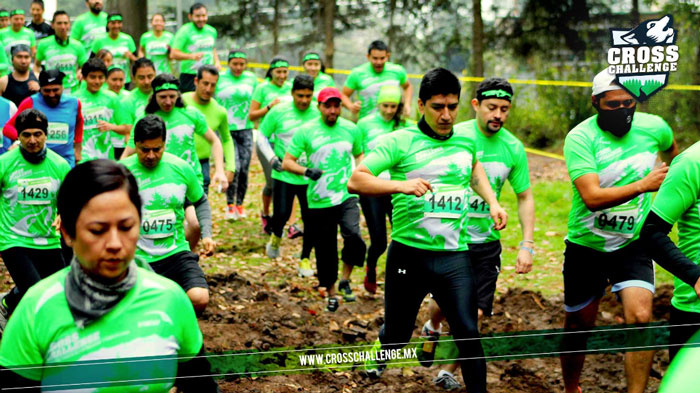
(51, 77)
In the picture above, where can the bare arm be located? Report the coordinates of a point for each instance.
(176, 54)
(142, 51)
(3, 83)
(363, 182)
(597, 198)
(407, 97)
(289, 164)
(668, 155)
(123, 129)
(526, 214)
(217, 151)
(345, 99)
(78, 151)
(216, 59)
(127, 152)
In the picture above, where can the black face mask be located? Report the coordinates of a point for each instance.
(617, 122)
(34, 158)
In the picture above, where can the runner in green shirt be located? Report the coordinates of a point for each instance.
(202, 100)
(4, 18)
(105, 125)
(234, 92)
(89, 26)
(143, 72)
(280, 125)
(4, 64)
(432, 165)
(610, 158)
(376, 209)
(195, 45)
(313, 65)
(129, 329)
(17, 34)
(61, 52)
(166, 182)
(329, 144)
(155, 44)
(29, 180)
(368, 78)
(115, 83)
(121, 45)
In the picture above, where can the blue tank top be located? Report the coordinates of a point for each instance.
(61, 124)
(5, 115)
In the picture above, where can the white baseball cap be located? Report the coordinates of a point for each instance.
(603, 82)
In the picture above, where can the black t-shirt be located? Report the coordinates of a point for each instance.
(41, 30)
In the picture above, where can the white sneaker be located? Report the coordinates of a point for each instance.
(231, 214)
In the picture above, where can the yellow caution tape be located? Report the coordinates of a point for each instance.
(544, 153)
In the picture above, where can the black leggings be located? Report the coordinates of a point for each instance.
(681, 334)
(376, 210)
(243, 140)
(282, 201)
(27, 266)
(412, 273)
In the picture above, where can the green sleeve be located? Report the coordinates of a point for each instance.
(298, 143)
(96, 45)
(519, 177)
(19, 346)
(383, 156)
(143, 41)
(190, 337)
(352, 81)
(119, 116)
(258, 94)
(40, 51)
(267, 127)
(82, 55)
(679, 190)
(200, 123)
(402, 75)
(665, 135)
(229, 155)
(578, 155)
(223, 124)
(131, 44)
(77, 29)
(32, 39)
(180, 39)
(357, 141)
(4, 63)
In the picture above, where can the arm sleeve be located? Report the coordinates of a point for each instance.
(383, 156)
(203, 212)
(78, 137)
(578, 155)
(264, 144)
(267, 126)
(298, 143)
(9, 129)
(179, 40)
(519, 177)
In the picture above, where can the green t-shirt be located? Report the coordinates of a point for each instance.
(103, 105)
(280, 125)
(154, 319)
(617, 162)
(372, 128)
(156, 50)
(190, 39)
(4, 63)
(134, 104)
(28, 200)
(503, 157)
(367, 83)
(67, 57)
(437, 221)
(266, 92)
(88, 27)
(117, 47)
(216, 118)
(678, 200)
(330, 149)
(321, 82)
(163, 190)
(234, 94)
(182, 124)
(10, 38)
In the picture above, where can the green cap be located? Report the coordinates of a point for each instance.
(389, 93)
(16, 12)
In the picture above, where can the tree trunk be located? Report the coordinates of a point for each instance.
(135, 15)
(276, 29)
(635, 12)
(477, 40)
(329, 31)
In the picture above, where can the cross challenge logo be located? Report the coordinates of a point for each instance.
(642, 58)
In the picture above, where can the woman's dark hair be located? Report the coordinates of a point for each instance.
(303, 81)
(268, 74)
(149, 127)
(86, 181)
(323, 65)
(31, 118)
(436, 82)
(141, 63)
(158, 81)
(398, 117)
(112, 70)
(93, 65)
(102, 53)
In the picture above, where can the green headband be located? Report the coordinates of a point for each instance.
(500, 93)
(4, 14)
(311, 56)
(16, 12)
(237, 55)
(279, 64)
(166, 86)
(115, 18)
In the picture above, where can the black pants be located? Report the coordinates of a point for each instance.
(27, 266)
(282, 203)
(323, 224)
(206, 176)
(412, 273)
(376, 210)
(186, 82)
(267, 171)
(681, 334)
(243, 141)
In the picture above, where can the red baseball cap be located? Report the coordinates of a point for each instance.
(328, 93)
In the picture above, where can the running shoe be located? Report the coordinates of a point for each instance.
(273, 247)
(333, 304)
(370, 282)
(4, 314)
(427, 344)
(266, 223)
(241, 212)
(446, 380)
(231, 214)
(304, 269)
(373, 369)
(344, 288)
(294, 231)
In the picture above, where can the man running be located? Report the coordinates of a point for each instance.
(17, 34)
(217, 120)
(65, 131)
(195, 45)
(368, 78)
(281, 124)
(165, 183)
(143, 71)
(61, 52)
(38, 25)
(29, 180)
(329, 143)
(432, 165)
(21, 82)
(610, 158)
(90, 25)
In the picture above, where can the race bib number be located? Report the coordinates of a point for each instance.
(158, 224)
(445, 202)
(619, 220)
(57, 133)
(34, 191)
(92, 115)
(478, 208)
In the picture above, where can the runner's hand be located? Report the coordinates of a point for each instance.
(57, 223)
(229, 176)
(220, 178)
(198, 56)
(697, 288)
(276, 164)
(355, 107)
(499, 216)
(313, 173)
(33, 85)
(209, 245)
(653, 180)
(274, 102)
(407, 110)
(524, 262)
(103, 126)
(417, 187)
